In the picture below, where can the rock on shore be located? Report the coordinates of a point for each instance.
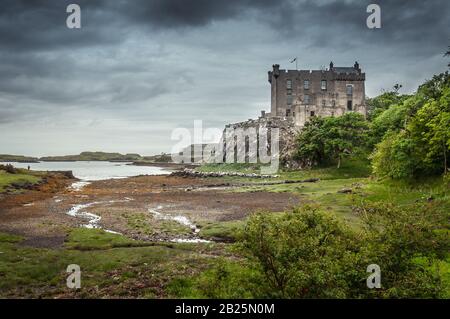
(193, 173)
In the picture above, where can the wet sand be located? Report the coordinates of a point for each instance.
(152, 208)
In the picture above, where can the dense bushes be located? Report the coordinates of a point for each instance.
(415, 135)
(304, 254)
(308, 253)
(408, 243)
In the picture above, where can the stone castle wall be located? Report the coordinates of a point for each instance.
(287, 134)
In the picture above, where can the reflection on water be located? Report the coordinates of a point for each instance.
(93, 171)
(77, 186)
(92, 219)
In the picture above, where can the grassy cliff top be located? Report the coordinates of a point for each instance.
(20, 178)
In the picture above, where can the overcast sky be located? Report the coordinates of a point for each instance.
(138, 69)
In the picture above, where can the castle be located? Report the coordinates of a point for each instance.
(297, 95)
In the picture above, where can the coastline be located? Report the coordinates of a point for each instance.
(158, 207)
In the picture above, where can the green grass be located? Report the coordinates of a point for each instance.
(144, 223)
(323, 192)
(230, 167)
(226, 230)
(21, 178)
(91, 239)
(173, 228)
(405, 192)
(351, 168)
(224, 278)
(8, 238)
(115, 268)
(354, 174)
(138, 222)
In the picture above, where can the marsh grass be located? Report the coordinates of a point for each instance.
(22, 177)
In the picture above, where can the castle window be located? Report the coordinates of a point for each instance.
(289, 84)
(289, 100)
(333, 103)
(323, 85)
(349, 105)
(323, 102)
(349, 89)
(306, 84)
(312, 113)
(288, 112)
(306, 99)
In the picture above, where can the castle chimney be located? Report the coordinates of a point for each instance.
(356, 66)
(276, 70)
(331, 65)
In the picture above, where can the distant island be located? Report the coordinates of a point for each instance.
(93, 156)
(90, 156)
(18, 158)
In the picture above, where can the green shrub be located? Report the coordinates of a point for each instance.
(305, 253)
(413, 138)
(396, 238)
(308, 253)
(225, 279)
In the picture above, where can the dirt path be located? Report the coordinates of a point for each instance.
(128, 206)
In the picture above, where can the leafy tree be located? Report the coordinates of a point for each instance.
(329, 139)
(397, 87)
(344, 134)
(395, 156)
(392, 119)
(433, 88)
(431, 127)
(311, 143)
(377, 105)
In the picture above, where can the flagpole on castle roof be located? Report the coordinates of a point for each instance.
(295, 60)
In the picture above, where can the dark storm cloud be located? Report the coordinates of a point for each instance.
(340, 24)
(40, 24)
(36, 45)
(190, 13)
(177, 60)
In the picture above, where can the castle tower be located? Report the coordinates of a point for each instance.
(300, 94)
